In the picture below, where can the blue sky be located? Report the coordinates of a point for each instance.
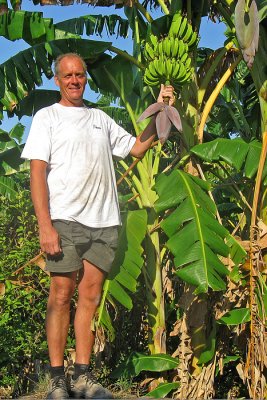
(211, 35)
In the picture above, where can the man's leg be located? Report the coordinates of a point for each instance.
(89, 294)
(58, 314)
(57, 325)
(89, 289)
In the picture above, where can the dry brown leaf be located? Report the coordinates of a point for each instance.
(2, 289)
(146, 381)
(100, 340)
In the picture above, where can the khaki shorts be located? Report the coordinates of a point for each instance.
(80, 242)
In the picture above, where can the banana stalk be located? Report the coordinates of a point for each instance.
(153, 278)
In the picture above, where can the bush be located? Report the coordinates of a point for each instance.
(24, 291)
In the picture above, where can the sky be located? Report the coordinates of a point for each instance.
(211, 35)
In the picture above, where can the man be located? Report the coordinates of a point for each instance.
(74, 194)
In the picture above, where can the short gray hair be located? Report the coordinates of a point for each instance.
(71, 55)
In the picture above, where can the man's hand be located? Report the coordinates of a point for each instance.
(166, 91)
(49, 240)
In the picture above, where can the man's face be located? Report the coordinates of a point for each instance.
(71, 80)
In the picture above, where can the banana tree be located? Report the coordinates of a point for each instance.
(10, 162)
(198, 245)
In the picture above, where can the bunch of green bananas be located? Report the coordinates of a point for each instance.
(164, 69)
(168, 59)
(181, 28)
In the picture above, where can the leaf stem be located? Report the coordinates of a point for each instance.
(133, 165)
(164, 7)
(127, 56)
(127, 104)
(143, 11)
(207, 78)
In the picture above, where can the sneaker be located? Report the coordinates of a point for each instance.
(85, 386)
(58, 388)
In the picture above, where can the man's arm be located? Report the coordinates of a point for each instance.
(144, 141)
(49, 238)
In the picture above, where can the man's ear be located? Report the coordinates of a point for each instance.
(56, 80)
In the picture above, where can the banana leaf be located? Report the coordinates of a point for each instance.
(162, 390)
(8, 187)
(196, 239)
(96, 24)
(261, 297)
(11, 157)
(210, 345)
(4, 136)
(138, 362)
(235, 317)
(126, 267)
(33, 28)
(114, 76)
(237, 153)
(15, 73)
(17, 132)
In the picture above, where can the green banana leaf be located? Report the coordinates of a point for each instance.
(196, 239)
(39, 98)
(235, 317)
(126, 267)
(138, 362)
(95, 25)
(261, 297)
(23, 71)
(210, 346)
(236, 152)
(17, 132)
(11, 157)
(114, 76)
(162, 390)
(26, 25)
(4, 136)
(33, 28)
(262, 9)
(135, 17)
(237, 252)
(10, 161)
(8, 187)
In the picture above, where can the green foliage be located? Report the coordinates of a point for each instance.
(138, 362)
(34, 28)
(235, 317)
(163, 389)
(198, 245)
(195, 236)
(21, 73)
(23, 294)
(237, 153)
(126, 267)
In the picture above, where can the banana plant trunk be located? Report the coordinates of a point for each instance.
(154, 289)
(259, 76)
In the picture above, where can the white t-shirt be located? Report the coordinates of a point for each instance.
(78, 144)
